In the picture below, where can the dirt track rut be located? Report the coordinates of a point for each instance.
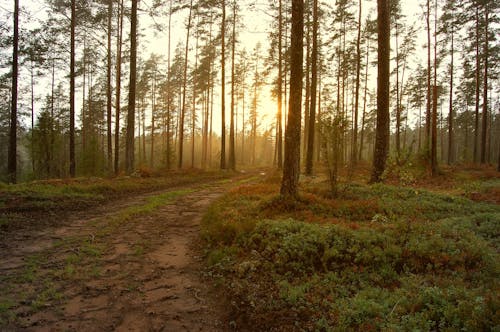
(144, 275)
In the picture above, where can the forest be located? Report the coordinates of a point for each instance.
(280, 165)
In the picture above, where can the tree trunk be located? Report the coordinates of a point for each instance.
(291, 169)
(313, 95)
(382, 132)
(485, 91)
(279, 140)
(72, 93)
(184, 87)
(398, 106)
(153, 118)
(356, 97)
(223, 88)
(119, 34)
(434, 163)
(478, 69)
(108, 91)
(450, 111)
(428, 106)
(12, 162)
(361, 139)
(169, 95)
(232, 158)
(130, 148)
(193, 110)
(307, 78)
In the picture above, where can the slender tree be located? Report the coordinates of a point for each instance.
(108, 90)
(484, 127)
(12, 162)
(434, 166)
(313, 94)
(232, 158)
(119, 34)
(381, 150)
(356, 94)
(223, 88)
(291, 168)
(130, 150)
(72, 163)
(184, 88)
(279, 140)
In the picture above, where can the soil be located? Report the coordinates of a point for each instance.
(148, 277)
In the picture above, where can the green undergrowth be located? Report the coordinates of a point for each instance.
(375, 257)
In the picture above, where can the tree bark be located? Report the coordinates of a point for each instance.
(108, 92)
(485, 90)
(313, 95)
(357, 88)
(291, 169)
(478, 69)
(130, 148)
(450, 111)
(12, 155)
(184, 87)
(279, 140)
(223, 88)
(72, 168)
(434, 162)
(232, 158)
(381, 150)
(118, 84)
(429, 96)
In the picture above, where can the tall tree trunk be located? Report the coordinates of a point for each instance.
(50, 149)
(119, 35)
(130, 148)
(361, 138)
(108, 91)
(307, 78)
(291, 169)
(12, 162)
(184, 87)
(193, 110)
(429, 96)
(314, 84)
(434, 163)
(153, 118)
(398, 106)
(223, 88)
(484, 129)
(232, 158)
(450, 111)
(356, 97)
(478, 69)
(72, 164)
(279, 140)
(169, 94)
(381, 150)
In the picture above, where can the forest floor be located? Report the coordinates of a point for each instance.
(416, 253)
(133, 263)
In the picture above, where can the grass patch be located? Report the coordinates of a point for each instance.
(38, 203)
(376, 257)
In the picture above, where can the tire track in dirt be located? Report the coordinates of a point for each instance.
(148, 278)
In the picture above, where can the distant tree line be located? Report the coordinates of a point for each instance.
(80, 96)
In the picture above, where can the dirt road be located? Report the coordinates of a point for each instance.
(131, 266)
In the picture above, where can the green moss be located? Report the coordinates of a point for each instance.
(413, 260)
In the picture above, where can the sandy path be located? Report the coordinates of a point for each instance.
(147, 277)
